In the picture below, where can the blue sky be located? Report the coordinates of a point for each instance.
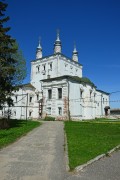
(93, 24)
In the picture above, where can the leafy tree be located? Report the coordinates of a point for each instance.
(12, 63)
(20, 65)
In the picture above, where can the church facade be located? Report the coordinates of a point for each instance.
(57, 88)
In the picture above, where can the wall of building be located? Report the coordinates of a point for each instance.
(74, 104)
(58, 106)
(69, 67)
(26, 104)
(102, 102)
(82, 104)
(51, 67)
(43, 69)
(88, 105)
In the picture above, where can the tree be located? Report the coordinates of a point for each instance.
(20, 65)
(12, 63)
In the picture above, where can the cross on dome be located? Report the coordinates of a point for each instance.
(58, 35)
(39, 44)
(75, 54)
(57, 44)
(39, 50)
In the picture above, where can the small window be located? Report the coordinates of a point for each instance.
(49, 110)
(71, 69)
(16, 98)
(106, 101)
(14, 113)
(60, 111)
(51, 66)
(37, 97)
(38, 68)
(44, 67)
(59, 93)
(50, 94)
(30, 98)
(90, 93)
(30, 113)
(103, 100)
(81, 94)
(94, 97)
(66, 67)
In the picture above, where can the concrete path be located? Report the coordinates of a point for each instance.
(107, 168)
(40, 156)
(37, 156)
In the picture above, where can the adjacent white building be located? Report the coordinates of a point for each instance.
(58, 89)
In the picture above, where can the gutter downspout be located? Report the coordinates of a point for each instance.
(42, 101)
(27, 108)
(57, 64)
(101, 106)
(68, 100)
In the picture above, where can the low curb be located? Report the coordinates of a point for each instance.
(66, 153)
(79, 168)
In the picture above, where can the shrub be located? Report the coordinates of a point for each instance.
(49, 118)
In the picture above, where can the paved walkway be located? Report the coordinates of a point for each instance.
(40, 156)
(37, 156)
(107, 168)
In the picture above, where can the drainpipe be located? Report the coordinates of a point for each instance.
(27, 107)
(21, 104)
(42, 101)
(68, 100)
(101, 106)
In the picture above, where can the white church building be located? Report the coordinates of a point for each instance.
(58, 89)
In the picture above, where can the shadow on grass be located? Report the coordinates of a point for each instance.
(14, 123)
(6, 124)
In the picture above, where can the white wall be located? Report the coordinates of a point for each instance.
(60, 67)
(102, 102)
(21, 99)
(54, 103)
(90, 106)
(69, 67)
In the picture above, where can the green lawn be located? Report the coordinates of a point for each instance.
(17, 129)
(86, 140)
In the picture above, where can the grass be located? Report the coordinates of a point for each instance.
(86, 140)
(17, 129)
